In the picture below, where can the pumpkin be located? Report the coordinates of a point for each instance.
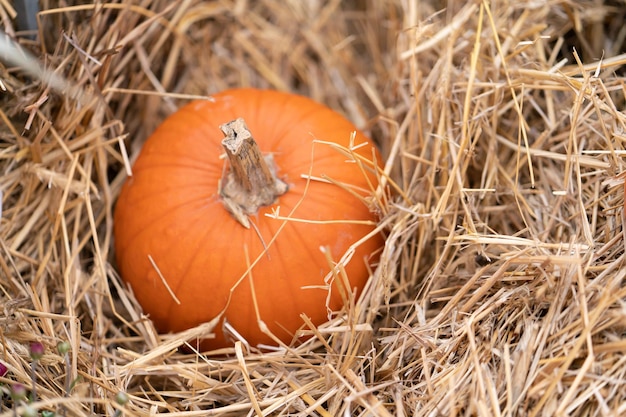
(194, 244)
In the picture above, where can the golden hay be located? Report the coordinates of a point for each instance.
(501, 286)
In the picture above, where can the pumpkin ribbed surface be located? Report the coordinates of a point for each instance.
(170, 215)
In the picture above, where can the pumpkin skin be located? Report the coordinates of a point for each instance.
(169, 213)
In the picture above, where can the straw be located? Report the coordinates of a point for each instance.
(500, 288)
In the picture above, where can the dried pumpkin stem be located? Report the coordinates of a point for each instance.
(251, 181)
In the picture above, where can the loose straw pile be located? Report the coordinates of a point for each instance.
(500, 290)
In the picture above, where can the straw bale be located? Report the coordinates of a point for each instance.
(500, 290)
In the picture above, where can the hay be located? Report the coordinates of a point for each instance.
(501, 287)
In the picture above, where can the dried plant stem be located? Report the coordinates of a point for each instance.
(68, 375)
(251, 182)
(33, 375)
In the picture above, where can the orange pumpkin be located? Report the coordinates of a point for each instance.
(183, 245)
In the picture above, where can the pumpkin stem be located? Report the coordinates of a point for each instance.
(251, 182)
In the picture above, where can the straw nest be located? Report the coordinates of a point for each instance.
(500, 290)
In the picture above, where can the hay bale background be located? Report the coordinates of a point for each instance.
(501, 287)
